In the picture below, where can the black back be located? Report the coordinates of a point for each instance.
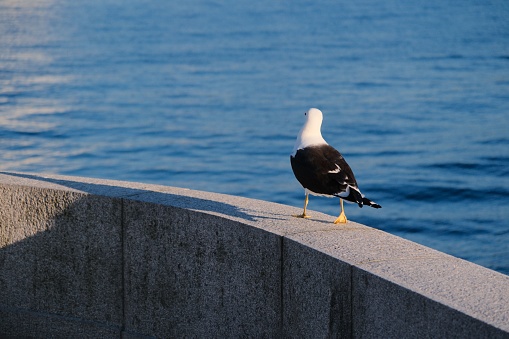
(311, 166)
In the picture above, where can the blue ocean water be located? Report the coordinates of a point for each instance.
(211, 94)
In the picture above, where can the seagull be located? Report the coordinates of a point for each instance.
(321, 169)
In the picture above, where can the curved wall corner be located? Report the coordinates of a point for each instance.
(100, 258)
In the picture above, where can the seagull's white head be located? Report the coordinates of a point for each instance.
(310, 133)
(314, 118)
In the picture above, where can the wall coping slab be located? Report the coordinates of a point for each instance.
(392, 286)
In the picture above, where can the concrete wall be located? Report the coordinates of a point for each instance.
(95, 258)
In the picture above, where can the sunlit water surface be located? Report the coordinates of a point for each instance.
(210, 95)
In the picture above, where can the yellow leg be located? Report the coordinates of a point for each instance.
(304, 215)
(342, 216)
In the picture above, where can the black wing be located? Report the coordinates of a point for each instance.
(323, 170)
